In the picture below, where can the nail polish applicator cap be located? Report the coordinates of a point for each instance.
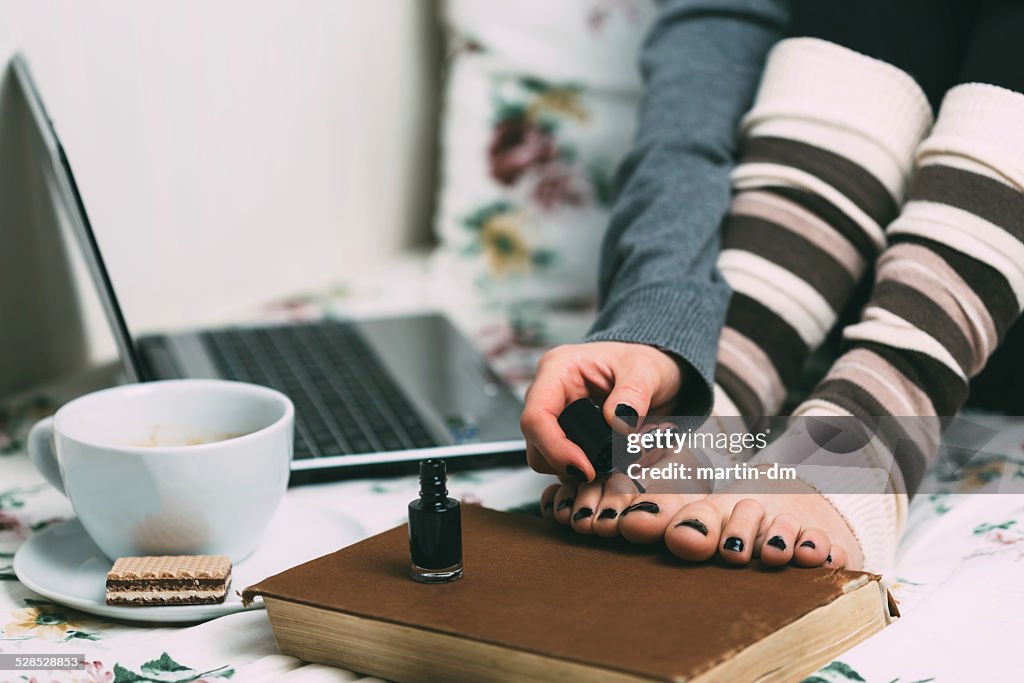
(585, 426)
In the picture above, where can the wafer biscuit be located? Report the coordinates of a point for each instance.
(169, 580)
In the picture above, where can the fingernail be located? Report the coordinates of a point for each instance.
(808, 544)
(575, 473)
(550, 504)
(582, 513)
(608, 513)
(642, 506)
(566, 503)
(695, 524)
(733, 544)
(627, 414)
(777, 542)
(828, 560)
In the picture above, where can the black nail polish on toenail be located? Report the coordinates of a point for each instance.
(582, 513)
(808, 544)
(734, 544)
(566, 503)
(608, 513)
(575, 472)
(777, 542)
(828, 560)
(550, 504)
(694, 524)
(627, 414)
(642, 506)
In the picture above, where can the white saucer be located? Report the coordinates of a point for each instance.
(63, 564)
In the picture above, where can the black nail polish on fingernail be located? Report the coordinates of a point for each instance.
(582, 513)
(642, 506)
(828, 560)
(694, 524)
(733, 544)
(566, 503)
(777, 542)
(550, 504)
(627, 414)
(575, 472)
(808, 544)
(608, 513)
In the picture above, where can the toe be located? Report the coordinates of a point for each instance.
(565, 498)
(740, 530)
(837, 557)
(812, 548)
(606, 515)
(779, 540)
(588, 496)
(694, 531)
(618, 494)
(645, 519)
(547, 501)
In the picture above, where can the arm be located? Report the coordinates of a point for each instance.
(663, 301)
(658, 282)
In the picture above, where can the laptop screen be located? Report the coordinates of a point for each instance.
(71, 203)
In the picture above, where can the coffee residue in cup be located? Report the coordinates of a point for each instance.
(156, 440)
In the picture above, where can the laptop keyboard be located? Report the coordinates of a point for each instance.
(345, 401)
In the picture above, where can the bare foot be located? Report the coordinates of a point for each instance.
(795, 525)
(616, 505)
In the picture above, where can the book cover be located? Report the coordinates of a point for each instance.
(539, 601)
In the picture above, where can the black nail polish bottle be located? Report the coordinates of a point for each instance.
(435, 528)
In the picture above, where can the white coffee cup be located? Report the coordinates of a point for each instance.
(179, 467)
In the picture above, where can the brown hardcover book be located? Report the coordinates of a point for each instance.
(541, 603)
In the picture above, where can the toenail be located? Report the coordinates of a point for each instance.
(566, 503)
(642, 506)
(777, 542)
(550, 504)
(808, 544)
(695, 524)
(608, 513)
(582, 513)
(828, 560)
(575, 472)
(734, 544)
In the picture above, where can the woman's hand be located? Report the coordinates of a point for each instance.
(630, 379)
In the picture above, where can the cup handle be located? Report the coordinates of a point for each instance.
(40, 452)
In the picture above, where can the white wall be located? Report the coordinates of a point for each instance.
(231, 151)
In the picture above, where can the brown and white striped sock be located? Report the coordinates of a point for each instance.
(946, 290)
(828, 147)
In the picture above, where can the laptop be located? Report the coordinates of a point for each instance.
(368, 393)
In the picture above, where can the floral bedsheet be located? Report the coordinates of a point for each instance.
(959, 578)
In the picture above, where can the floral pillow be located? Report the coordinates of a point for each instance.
(591, 42)
(530, 150)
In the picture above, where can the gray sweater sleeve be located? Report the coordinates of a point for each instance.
(659, 284)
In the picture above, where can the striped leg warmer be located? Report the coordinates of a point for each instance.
(946, 290)
(827, 149)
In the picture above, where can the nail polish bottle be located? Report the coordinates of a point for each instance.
(435, 528)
